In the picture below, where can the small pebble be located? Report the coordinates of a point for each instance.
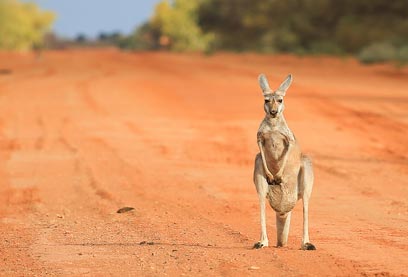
(124, 210)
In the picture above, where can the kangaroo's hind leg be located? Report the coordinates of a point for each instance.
(282, 228)
(262, 189)
(305, 182)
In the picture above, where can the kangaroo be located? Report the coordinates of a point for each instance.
(282, 173)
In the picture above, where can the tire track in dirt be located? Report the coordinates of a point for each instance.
(17, 233)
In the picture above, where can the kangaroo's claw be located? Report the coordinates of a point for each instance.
(278, 180)
(274, 182)
(308, 246)
(258, 245)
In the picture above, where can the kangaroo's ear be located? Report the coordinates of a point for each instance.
(285, 85)
(263, 82)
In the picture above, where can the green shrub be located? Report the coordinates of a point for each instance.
(286, 41)
(378, 53)
(402, 55)
(325, 47)
(144, 37)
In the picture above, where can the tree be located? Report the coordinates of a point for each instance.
(22, 25)
(177, 22)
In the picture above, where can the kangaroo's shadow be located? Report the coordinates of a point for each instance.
(152, 244)
(5, 71)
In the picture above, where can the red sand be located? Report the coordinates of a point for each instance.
(84, 133)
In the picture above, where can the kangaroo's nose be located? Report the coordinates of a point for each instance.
(274, 112)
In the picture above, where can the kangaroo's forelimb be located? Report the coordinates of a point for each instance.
(268, 174)
(289, 147)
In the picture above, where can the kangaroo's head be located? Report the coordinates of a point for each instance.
(274, 104)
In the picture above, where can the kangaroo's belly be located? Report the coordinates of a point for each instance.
(283, 198)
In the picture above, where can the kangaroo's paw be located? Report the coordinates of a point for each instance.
(308, 246)
(260, 245)
(270, 181)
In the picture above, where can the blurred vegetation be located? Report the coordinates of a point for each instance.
(23, 25)
(373, 30)
(144, 38)
(177, 25)
(174, 26)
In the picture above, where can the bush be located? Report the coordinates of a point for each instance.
(145, 37)
(378, 53)
(325, 47)
(402, 55)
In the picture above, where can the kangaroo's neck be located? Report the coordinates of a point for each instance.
(277, 121)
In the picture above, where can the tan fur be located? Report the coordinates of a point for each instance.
(282, 173)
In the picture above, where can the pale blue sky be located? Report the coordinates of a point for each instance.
(90, 17)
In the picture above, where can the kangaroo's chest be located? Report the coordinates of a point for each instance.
(275, 145)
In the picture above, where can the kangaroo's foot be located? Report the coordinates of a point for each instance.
(308, 246)
(260, 244)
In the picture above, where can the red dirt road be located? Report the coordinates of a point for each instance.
(84, 133)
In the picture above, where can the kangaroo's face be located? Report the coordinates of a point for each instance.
(274, 104)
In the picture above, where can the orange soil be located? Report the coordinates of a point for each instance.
(84, 133)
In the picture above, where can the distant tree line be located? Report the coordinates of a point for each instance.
(374, 30)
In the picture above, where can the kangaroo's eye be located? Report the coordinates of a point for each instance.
(280, 100)
(267, 100)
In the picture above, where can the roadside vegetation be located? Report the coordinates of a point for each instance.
(374, 31)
